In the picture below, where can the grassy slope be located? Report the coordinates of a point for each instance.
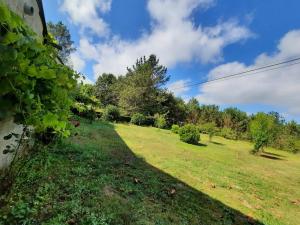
(96, 178)
(266, 188)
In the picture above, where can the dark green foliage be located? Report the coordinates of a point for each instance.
(210, 114)
(125, 119)
(138, 119)
(86, 102)
(106, 89)
(175, 128)
(160, 121)
(173, 109)
(63, 37)
(111, 113)
(236, 120)
(193, 110)
(189, 133)
(140, 89)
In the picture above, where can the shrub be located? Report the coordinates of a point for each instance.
(228, 133)
(209, 128)
(175, 128)
(85, 111)
(160, 121)
(125, 119)
(138, 119)
(189, 133)
(263, 130)
(111, 113)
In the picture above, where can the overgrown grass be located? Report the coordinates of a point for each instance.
(125, 174)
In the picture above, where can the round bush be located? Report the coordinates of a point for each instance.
(138, 119)
(189, 133)
(111, 113)
(175, 128)
(160, 121)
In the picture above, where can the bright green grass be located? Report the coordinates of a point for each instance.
(123, 174)
(266, 188)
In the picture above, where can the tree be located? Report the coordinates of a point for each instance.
(62, 35)
(192, 111)
(236, 120)
(173, 108)
(105, 89)
(140, 92)
(111, 113)
(210, 114)
(157, 72)
(263, 129)
(292, 128)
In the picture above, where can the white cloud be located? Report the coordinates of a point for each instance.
(278, 88)
(76, 62)
(179, 87)
(85, 13)
(173, 37)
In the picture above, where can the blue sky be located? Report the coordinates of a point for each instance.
(197, 40)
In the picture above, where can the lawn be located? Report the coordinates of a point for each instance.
(124, 174)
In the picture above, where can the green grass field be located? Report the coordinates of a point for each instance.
(125, 174)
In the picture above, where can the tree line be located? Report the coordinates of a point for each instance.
(140, 96)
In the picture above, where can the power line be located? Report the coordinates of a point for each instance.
(246, 72)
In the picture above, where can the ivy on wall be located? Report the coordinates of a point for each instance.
(34, 87)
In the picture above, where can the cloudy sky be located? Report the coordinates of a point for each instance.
(197, 40)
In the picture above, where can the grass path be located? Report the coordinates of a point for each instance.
(122, 174)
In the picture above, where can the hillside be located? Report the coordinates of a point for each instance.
(125, 174)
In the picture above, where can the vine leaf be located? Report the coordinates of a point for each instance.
(10, 38)
(4, 14)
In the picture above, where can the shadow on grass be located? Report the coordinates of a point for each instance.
(217, 143)
(200, 144)
(274, 154)
(95, 178)
(175, 202)
(270, 156)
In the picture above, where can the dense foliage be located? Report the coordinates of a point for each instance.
(175, 128)
(189, 133)
(111, 113)
(105, 89)
(138, 119)
(34, 88)
(160, 121)
(85, 102)
(263, 130)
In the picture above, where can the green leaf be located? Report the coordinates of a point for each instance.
(32, 72)
(47, 73)
(4, 13)
(10, 38)
(50, 120)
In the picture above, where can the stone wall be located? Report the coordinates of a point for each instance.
(7, 126)
(34, 20)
